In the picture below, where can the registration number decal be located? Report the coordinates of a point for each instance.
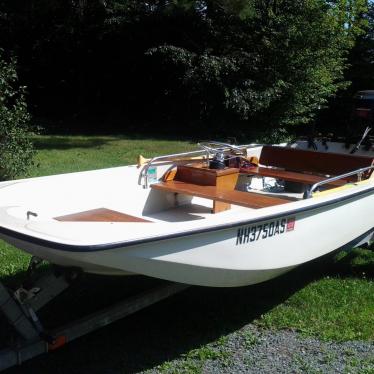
(266, 230)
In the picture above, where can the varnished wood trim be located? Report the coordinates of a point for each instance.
(291, 176)
(224, 179)
(219, 206)
(246, 199)
(99, 215)
(300, 160)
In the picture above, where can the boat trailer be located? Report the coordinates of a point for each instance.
(28, 337)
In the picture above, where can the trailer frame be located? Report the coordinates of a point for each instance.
(29, 338)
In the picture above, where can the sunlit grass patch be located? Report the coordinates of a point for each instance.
(332, 308)
(63, 154)
(12, 260)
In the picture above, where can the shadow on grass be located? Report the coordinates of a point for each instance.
(70, 142)
(164, 331)
(131, 129)
(65, 142)
(358, 262)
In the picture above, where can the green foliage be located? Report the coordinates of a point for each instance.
(227, 66)
(362, 55)
(15, 144)
(268, 63)
(359, 73)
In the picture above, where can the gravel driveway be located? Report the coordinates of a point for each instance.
(253, 350)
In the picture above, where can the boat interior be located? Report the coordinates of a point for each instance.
(222, 177)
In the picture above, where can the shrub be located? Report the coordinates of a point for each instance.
(16, 150)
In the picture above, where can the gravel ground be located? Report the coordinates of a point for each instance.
(253, 350)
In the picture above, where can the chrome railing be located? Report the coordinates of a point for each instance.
(144, 172)
(143, 176)
(358, 172)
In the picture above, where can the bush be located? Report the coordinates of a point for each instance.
(16, 150)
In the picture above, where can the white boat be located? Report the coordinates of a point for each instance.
(177, 219)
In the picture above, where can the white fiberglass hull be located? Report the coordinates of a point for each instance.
(228, 249)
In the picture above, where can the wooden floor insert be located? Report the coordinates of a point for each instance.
(99, 215)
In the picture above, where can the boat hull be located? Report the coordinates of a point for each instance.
(233, 255)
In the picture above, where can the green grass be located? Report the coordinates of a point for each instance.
(330, 308)
(338, 307)
(12, 260)
(334, 301)
(63, 154)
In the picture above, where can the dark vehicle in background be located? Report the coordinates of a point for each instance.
(350, 130)
(364, 107)
(362, 119)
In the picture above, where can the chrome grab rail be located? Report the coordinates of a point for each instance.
(359, 173)
(144, 172)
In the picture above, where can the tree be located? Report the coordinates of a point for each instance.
(361, 56)
(264, 63)
(234, 66)
(338, 117)
(16, 149)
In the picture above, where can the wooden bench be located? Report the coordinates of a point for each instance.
(307, 167)
(292, 176)
(199, 174)
(246, 199)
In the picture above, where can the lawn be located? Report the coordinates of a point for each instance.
(63, 154)
(331, 299)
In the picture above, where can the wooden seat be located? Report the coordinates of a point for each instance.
(200, 175)
(307, 167)
(300, 160)
(246, 199)
(291, 176)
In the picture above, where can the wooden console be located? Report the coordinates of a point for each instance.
(222, 179)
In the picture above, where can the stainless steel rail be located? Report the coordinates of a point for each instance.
(144, 172)
(359, 173)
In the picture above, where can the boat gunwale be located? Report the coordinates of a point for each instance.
(123, 244)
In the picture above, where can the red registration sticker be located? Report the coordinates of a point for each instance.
(290, 224)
